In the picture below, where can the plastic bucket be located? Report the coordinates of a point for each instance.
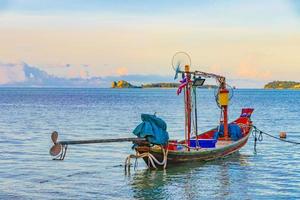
(203, 143)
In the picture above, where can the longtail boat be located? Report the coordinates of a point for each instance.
(218, 142)
(223, 147)
(153, 143)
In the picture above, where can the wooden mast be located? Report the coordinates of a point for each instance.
(188, 104)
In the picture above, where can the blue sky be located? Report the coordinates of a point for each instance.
(256, 40)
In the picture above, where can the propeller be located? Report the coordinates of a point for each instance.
(179, 60)
(54, 137)
(56, 148)
(176, 72)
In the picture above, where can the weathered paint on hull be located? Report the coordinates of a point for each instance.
(175, 157)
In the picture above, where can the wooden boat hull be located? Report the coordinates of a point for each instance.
(201, 155)
(175, 157)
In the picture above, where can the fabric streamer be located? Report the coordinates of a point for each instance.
(183, 83)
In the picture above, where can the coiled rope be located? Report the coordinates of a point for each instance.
(152, 161)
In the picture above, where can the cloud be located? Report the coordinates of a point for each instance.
(248, 71)
(249, 68)
(73, 71)
(25, 75)
(121, 71)
(69, 70)
(11, 73)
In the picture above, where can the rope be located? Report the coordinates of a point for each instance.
(195, 114)
(258, 136)
(185, 118)
(152, 161)
(272, 136)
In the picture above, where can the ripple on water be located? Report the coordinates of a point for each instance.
(28, 116)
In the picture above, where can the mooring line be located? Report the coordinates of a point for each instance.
(272, 136)
(258, 136)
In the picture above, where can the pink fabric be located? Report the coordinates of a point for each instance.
(182, 85)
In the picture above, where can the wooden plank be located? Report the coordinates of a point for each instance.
(73, 142)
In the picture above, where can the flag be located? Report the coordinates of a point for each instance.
(183, 83)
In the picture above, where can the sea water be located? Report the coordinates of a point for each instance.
(29, 115)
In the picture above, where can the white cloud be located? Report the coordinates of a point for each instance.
(11, 73)
(68, 70)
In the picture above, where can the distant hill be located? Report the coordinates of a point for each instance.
(123, 84)
(283, 85)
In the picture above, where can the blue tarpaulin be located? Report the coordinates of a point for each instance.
(235, 132)
(153, 129)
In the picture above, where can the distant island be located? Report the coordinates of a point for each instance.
(283, 85)
(125, 84)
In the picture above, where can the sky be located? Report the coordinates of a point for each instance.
(257, 40)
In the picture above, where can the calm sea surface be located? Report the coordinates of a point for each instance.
(28, 116)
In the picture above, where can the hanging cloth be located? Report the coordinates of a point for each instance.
(183, 83)
(153, 129)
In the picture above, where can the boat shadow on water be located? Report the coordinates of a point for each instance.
(189, 181)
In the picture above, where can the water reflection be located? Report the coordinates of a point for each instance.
(191, 181)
